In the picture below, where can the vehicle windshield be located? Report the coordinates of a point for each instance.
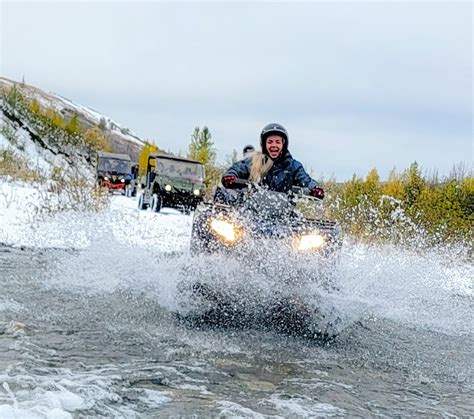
(114, 165)
(179, 168)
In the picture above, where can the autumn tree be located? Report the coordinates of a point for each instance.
(94, 138)
(73, 127)
(202, 149)
(147, 149)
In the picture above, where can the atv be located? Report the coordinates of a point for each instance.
(243, 221)
(285, 250)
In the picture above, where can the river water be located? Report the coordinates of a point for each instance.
(90, 332)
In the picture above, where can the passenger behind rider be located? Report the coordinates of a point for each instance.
(248, 151)
(273, 167)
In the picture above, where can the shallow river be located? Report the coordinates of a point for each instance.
(91, 333)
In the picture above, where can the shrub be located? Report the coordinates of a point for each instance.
(96, 140)
(17, 167)
(407, 208)
(73, 192)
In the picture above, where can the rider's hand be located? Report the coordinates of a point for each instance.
(229, 181)
(317, 192)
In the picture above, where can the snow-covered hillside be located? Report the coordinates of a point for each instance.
(39, 158)
(121, 138)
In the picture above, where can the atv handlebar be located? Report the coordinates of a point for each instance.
(301, 192)
(243, 182)
(296, 191)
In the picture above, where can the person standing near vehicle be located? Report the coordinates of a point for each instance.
(273, 167)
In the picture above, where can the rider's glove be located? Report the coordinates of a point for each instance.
(317, 192)
(229, 181)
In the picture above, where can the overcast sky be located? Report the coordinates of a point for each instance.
(357, 84)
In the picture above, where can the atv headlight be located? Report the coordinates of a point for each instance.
(106, 178)
(197, 192)
(122, 180)
(307, 242)
(168, 188)
(225, 230)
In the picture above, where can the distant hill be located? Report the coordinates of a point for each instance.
(120, 138)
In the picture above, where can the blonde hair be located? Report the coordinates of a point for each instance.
(261, 164)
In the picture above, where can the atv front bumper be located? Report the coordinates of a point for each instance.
(111, 185)
(214, 234)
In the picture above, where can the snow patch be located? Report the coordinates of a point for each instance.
(235, 410)
(21, 225)
(302, 406)
(154, 398)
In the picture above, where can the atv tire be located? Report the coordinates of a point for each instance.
(141, 204)
(156, 203)
(187, 210)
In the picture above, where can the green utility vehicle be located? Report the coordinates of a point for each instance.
(172, 181)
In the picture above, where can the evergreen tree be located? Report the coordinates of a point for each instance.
(202, 149)
(414, 183)
(73, 127)
(14, 97)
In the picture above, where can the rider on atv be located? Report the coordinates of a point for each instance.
(273, 168)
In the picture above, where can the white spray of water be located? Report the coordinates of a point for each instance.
(430, 289)
(386, 282)
(125, 250)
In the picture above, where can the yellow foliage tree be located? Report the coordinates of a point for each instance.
(394, 186)
(95, 139)
(35, 107)
(147, 149)
(372, 187)
(54, 118)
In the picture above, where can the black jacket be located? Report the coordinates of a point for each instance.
(285, 173)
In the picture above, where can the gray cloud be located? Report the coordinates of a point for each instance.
(358, 84)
